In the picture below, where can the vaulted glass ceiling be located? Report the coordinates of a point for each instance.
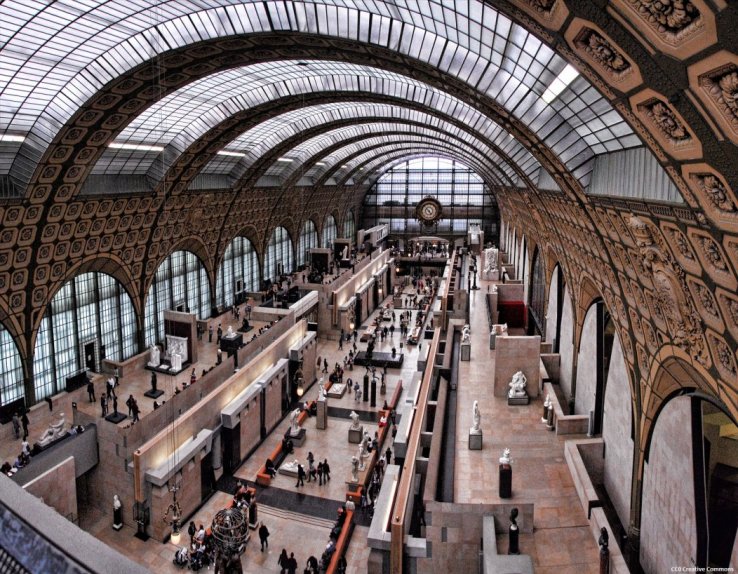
(57, 55)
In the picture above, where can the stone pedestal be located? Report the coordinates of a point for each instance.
(505, 481)
(297, 439)
(517, 401)
(466, 351)
(355, 435)
(117, 519)
(514, 546)
(492, 340)
(475, 439)
(253, 516)
(321, 421)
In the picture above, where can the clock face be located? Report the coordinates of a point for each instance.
(429, 210)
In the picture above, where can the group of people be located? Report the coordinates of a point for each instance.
(320, 472)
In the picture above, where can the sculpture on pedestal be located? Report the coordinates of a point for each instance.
(477, 418)
(154, 356)
(117, 519)
(546, 406)
(294, 427)
(505, 458)
(229, 332)
(55, 431)
(517, 386)
(354, 469)
(321, 390)
(466, 334)
(176, 360)
(354, 421)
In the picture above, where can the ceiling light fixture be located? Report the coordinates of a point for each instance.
(565, 77)
(136, 147)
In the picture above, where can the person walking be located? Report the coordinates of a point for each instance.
(129, 403)
(300, 476)
(210, 333)
(283, 561)
(292, 564)
(388, 455)
(24, 424)
(91, 391)
(136, 411)
(104, 406)
(320, 473)
(220, 333)
(340, 343)
(311, 466)
(326, 470)
(325, 365)
(16, 425)
(264, 536)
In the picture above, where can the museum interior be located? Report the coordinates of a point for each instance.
(476, 260)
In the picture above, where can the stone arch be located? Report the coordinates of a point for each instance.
(194, 244)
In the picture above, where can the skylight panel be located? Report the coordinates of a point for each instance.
(565, 77)
(136, 147)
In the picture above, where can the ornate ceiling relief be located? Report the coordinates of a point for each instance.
(714, 80)
(723, 356)
(671, 17)
(671, 294)
(729, 304)
(597, 49)
(667, 126)
(550, 13)
(706, 304)
(714, 194)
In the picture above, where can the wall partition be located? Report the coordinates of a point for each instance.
(89, 319)
(181, 283)
(238, 272)
(307, 241)
(278, 258)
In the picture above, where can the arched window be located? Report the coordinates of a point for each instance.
(11, 380)
(181, 283)
(329, 231)
(308, 240)
(278, 258)
(238, 272)
(90, 318)
(349, 226)
(537, 294)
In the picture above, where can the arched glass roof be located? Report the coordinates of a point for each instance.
(55, 56)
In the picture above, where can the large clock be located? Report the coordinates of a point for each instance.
(428, 210)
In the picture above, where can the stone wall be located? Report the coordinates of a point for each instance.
(57, 488)
(668, 529)
(616, 432)
(586, 388)
(566, 347)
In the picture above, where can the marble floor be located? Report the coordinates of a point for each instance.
(289, 519)
(561, 541)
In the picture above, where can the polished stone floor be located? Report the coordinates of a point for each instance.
(562, 541)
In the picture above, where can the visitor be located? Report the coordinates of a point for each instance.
(16, 425)
(191, 530)
(220, 333)
(326, 470)
(156, 405)
(103, 406)
(136, 411)
(269, 468)
(300, 476)
(283, 561)
(264, 536)
(312, 566)
(210, 333)
(129, 403)
(311, 466)
(320, 473)
(90, 392)
(388, 455)
(292, 564)
(193, 377)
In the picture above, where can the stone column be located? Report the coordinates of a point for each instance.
(217, 453)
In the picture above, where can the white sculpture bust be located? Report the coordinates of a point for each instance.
(229, 332)
(116, 502)
(477, 418)
(517, 385)
(154, 356)
(505, 458)
(354, 420)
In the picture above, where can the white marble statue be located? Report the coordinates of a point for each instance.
(354, 469)
(517, 386)
(294, 427)
(46, 438)
(546, 405)
(477, 418)
(344, 252)
(116, 502)
(58, 427)
(505, 458)
(365, 442)
(176, 360)
(321, 389)
(154, 356)
(229, 333)
(466, 334)
(490, 259)
(355, 425)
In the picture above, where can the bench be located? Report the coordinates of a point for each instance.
(342, 542)
(262, 477)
